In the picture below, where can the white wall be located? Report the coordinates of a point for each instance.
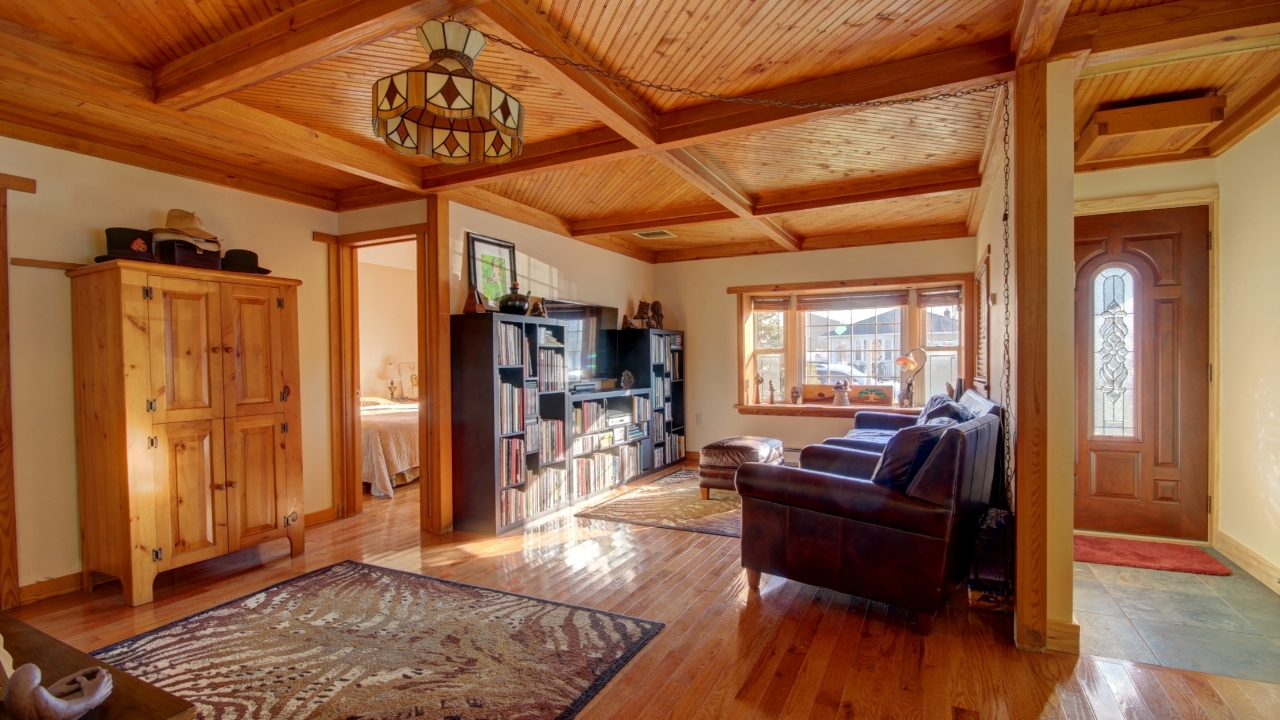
(694, 299)
(388, 317)
(1249, 341)
(1147, 179)
(78, 196)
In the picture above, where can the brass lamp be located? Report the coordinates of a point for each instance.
(908, 364)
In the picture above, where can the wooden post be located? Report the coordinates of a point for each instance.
(1031, 242)
(8, 510)
(435, 426)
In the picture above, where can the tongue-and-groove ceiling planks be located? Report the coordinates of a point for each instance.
(823, 179)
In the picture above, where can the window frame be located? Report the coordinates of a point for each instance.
(911, 334)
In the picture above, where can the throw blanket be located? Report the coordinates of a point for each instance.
(389, 442)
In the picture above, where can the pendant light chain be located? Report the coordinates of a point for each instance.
(706, 95)
(1007, 425)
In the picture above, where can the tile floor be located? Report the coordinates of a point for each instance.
(1222, 625)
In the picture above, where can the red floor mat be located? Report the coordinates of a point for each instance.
(1151, 555)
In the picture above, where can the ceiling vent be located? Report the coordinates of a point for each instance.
(655, 235)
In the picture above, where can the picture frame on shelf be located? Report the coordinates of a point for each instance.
(491, 265)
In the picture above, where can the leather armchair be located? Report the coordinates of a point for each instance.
(827, 524)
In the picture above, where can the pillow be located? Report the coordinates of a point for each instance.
(905, 454)
(949, 409)
(930, 405)
(374, 401)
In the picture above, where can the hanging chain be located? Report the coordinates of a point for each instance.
(1007, 425)
(706, 95)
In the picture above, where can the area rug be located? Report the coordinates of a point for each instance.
(675, 502)
(354, 641)
(1150, 555)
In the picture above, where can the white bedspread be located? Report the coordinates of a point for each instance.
(389, 442)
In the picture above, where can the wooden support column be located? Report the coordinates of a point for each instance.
(435, 408)
(1031, 241)
(9, 596)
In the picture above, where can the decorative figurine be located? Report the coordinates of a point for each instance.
(795, 395)
(536, 308)
(642, 314)
(627, 381)
(626, 323)
(759, 388)
(773, 394)
(842, 394)
(68, 699)
(655, 311)
(513, 302)
(475, 301)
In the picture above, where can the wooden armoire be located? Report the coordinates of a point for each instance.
(187, 417)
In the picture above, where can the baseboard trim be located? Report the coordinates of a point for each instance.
(320, 517)
(46, 589)
(1063, 637)
(692, 456)
(1253, 563)
(1143, 538)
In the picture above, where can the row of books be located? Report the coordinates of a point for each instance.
(620, 435)
(512, 461)
(595, 416)
(546, 491)
(659, 392)
(670, 451)
(531, 398)
(596, 472)
(641, 407)
(511, 404)
(552, 440)
(511, 344)
(551, 370)
(629, 456)
(511, 506)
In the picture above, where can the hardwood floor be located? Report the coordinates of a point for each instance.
(794, 651)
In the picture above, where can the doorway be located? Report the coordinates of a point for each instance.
(1142, 373)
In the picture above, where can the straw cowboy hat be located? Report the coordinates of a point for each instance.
(186, 226)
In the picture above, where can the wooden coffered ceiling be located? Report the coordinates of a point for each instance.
(272, 96)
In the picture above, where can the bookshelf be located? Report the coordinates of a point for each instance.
(523, 446)
(656, 359)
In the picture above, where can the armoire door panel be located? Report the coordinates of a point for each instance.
(256, 478)
(191, 502)
(186, 351)
(253, 356)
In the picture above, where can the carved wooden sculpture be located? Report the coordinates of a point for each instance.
(67, 699)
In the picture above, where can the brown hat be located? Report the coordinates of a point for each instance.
(184, 225)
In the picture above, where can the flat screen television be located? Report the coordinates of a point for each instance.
(590, 339)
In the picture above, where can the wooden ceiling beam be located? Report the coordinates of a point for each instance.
(24, 45)
(650, 221)
(1162, 29)
(610, 103)
(862, 238)
(1261, 107)
(991, 147)
(1035, 28)
(563, 152)
(300, 36)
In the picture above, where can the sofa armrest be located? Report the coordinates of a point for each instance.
(839, 461)
(844, 497)
(872, 420)
(853, 443)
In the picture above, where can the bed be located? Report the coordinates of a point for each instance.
(389, 444)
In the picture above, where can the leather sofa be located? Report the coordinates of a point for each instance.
(906, 543)
(872, 430)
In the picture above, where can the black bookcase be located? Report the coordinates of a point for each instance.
(513, 466)
(656, 359)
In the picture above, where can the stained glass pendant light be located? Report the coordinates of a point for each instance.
(444, 108)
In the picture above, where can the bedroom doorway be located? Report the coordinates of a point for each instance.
(386, 297)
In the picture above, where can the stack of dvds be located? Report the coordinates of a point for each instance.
(552, 441)
(510, 507)
(659, 392)
(510, 409)
(511, 469)
(510, 342)
(551, 370)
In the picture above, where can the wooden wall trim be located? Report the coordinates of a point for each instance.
(320, 517)
(852, 285)
(1063, 637)
(46, 264)
(435, 406)
(344, 375)
(10, 595)
(1237, 552)
(1031, 243)
(45, 589)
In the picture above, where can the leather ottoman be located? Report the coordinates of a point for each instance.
(719, 462)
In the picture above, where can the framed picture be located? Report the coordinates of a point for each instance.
(492, 265)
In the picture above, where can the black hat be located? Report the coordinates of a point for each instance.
(127, 244)
(245, 261)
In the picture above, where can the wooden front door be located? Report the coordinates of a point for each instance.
(1142, 382)
(186, 357)
(253, 350)
(191, 500)
(257, 497)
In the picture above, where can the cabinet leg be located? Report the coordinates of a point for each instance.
(297, 541)
(140, 589)
(753, 579)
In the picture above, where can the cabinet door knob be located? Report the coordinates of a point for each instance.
(233, 485)
(227, 349)
(220, 486)
(217, 349)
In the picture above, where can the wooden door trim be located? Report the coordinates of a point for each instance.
(9, 593)
(344, 377)
(1164, 201)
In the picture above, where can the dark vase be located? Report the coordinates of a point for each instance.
(513, 302)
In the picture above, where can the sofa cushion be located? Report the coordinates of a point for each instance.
(933, 403)
(951, 410)
(873, 436)
(905, 454)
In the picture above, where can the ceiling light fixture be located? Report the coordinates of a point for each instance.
(444, 108)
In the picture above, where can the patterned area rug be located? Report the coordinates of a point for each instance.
(675, 502)
(354, 641)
